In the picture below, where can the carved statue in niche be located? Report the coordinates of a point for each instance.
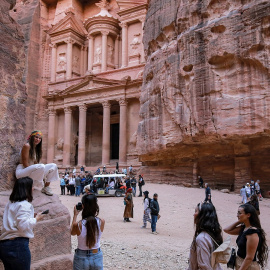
(60, 144)
(75, 63)
(62, 61)
(110, 53)
(98, 54)
(135, 43)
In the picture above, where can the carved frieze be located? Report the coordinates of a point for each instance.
(98, 54)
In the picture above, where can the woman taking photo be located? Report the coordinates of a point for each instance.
(17, 228)
(30, 157)
(88, 230)
(252, 248)
(207, 229)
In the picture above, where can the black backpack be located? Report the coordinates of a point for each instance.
(142, 182)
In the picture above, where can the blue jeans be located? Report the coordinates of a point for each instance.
(91, 261)
(153, 222)
(78, 191)
(15, 254)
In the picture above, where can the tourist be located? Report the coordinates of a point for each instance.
(117, 167)
(104, 169)
(62, 185)
(130, 169)
(207, 193)
(72, 185)
(77, 185)
(133, 183)
(74, 171)
(252, 187)
(146, 209)
(98, 171)
(255, 202)
(67, 183)
(128, 182)
(83, 179)
(88, 255)
(128, 201)
(252, 252)
(31, 155)
(200, 181)
(248, 190)
(82, 170)
(258, 190)
(17, 228)
(207, 232)
(154, 206)
(243, 194)
(140, 184)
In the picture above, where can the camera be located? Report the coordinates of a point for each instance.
(79, 206)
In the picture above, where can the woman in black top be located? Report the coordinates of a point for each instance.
(252, 248)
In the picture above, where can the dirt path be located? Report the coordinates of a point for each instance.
(127, 246)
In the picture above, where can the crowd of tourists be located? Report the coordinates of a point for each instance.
(19, 218)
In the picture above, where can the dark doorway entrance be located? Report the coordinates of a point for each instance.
(115, 141)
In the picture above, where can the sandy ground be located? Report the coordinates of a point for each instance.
(127, 246)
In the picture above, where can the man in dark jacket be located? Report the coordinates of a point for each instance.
(154, 206)
(207, 193)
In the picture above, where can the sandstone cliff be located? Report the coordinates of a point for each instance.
(205, 98)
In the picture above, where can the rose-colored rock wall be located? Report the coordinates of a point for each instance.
(19, 79)
(12, 94)
(205, 99)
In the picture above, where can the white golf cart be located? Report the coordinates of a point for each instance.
(99, 185)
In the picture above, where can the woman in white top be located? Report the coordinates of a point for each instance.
(88, 230)
(17, 228)
(146, 209)
(30, 165)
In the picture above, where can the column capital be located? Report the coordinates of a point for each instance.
(105, 33)
(51, 112)
(89, 36)
(83, 107)
(122, 102)
(70, 40)
(67, 109)
(53, 45)
(123, 24)
(106, 104)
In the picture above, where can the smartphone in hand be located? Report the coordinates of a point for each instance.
(45, 212)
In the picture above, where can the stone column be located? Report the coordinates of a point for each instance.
(51, 133)
(124, 45)
(69, 58)
(104, 51)
(82, 61)
(142, 50)
(116, 52)
(82, 135)
(90, 52)
(85, 60)
(67, 137)
(106, 133)
(53, 62)
(123, 132)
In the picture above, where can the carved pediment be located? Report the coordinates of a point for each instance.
(125, 4)
(68, 24)
(90, 83)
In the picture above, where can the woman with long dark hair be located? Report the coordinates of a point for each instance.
(146, 208)
(252, 248)
(88, 230)
(208, 232)
(17, 228)
(30, 165)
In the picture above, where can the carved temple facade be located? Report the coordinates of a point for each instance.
(94, 63)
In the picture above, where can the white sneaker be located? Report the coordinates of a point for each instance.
(47, 191)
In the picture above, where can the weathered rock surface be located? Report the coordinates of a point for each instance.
(205, 99)
(12, 94)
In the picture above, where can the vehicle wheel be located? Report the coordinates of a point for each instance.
(118, 193)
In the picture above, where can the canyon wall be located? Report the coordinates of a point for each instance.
(19, 79)
(205, 99)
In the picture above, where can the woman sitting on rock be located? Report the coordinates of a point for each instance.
(88, 230)
(30, 165)
(207, 232)
(17, 228)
